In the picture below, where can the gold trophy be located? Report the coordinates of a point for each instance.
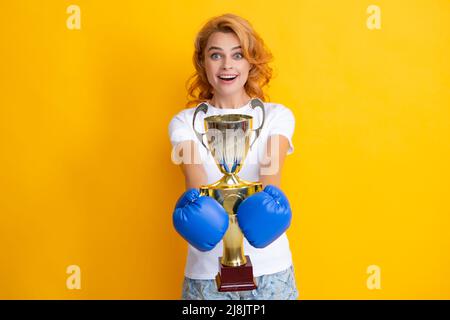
(228, 137)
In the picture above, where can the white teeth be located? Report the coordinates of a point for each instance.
(227, 77)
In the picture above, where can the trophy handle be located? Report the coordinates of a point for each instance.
(257, 103)
(204, 108)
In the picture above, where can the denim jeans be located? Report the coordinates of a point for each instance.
(276, 286)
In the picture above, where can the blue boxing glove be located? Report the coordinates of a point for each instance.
(264, 216)
(200, 220)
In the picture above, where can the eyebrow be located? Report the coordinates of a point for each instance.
(217, 48)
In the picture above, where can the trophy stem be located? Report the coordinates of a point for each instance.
(233, 244)
(230, 191)
(231, 179)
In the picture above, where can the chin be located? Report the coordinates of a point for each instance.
(228, 92)
(233, 89)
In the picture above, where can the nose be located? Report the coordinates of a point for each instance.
(226, 63)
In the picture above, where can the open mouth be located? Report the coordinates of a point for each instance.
(227, 78)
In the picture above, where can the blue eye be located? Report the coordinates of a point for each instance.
(215, 56)
(238, 55)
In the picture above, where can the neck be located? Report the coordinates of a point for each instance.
(230, 102)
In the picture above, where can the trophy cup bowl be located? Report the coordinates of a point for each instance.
(228, 139)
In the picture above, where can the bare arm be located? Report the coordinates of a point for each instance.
(194, 173)
(276, 150)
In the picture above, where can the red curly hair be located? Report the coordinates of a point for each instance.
(254, 50)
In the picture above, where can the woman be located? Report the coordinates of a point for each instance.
(231, 65)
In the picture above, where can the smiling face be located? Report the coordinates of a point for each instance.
(226, 68)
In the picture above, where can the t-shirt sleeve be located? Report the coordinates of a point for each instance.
(283, 124)
(180, 129)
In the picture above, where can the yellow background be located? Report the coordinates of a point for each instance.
(85, 172)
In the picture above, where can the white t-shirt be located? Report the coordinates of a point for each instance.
(279, 120)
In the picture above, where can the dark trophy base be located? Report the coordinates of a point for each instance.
(236, 278)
